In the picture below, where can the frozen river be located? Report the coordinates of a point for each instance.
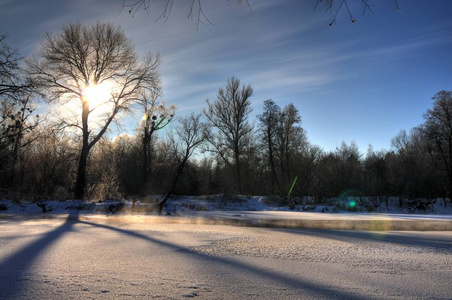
(106, 258)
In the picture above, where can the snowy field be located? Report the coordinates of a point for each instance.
(100, 257)
(123, 250)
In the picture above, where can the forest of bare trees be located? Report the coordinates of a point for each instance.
(219, 150)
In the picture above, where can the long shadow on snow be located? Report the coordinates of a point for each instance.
(399, 238)
(439, 243)
(13, 270)
(315, 288)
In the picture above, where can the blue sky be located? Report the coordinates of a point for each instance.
(361, 82)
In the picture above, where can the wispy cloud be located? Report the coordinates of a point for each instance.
(283, 48)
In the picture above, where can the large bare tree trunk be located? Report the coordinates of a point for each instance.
(168, 194)
(80, 185)
(238, 173)
(145, 166)
(81, 175)
(274, 176)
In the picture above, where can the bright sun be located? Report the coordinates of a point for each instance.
(96, 95)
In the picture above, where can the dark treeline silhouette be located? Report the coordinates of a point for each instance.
(221, 150)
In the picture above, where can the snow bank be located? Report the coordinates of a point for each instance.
(218, 203)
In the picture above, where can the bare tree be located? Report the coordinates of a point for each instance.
(15, 101)
(129, 153)
(349, 166)
(16, 125)
(438, 130)
(10, 81)
(48, 165)
(290, 137)
(195, 9)
(157, 115)
(16, 111)
(335, 6)
(105, 172)
(269, 122)
(229, 115)
(190, 134)
(75, 64)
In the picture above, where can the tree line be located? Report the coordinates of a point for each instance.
(66, 153)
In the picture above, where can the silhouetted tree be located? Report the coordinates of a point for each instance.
(269, 122)
(10, 78)
(252, 165)
(195, 9)
(129, 159)
(335, 6)
(190, 134)
(16, 112)
(209, 179)
(229, 115)
(17, 123)
(305, 167)
(350, 166)
(326, 181)
(412, 169)
(285, 143)
(157, 115)
(104, 172)
(438, 130)
(290, 138)
(84, 57)
(48, 166)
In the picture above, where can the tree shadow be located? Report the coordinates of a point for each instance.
(20, 263)
(317, 289)
(430, 244)
(353, 236)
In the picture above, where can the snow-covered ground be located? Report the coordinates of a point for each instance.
(106, 250)
(107, 257)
